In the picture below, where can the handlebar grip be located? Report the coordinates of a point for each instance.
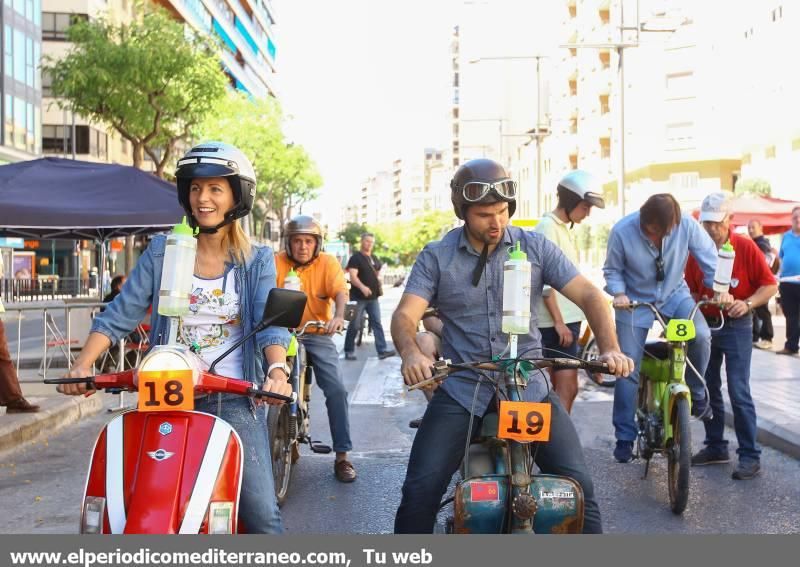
(596, 366)
(85, 380)
(262, 394)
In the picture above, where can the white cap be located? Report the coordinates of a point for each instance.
(715, 207)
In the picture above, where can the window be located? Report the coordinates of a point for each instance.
(87, 140)
(573, 87)
(777, 13)
(605, 59)
(680, 136)
(604, 106)
(605, 148)
(8, 50)
(19, 55)
(573, 161)
(8, 125)
(680, 85)
(684, 181)
(56, 24)
(605, 15)
(573, 125)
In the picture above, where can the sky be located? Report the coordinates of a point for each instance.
(364, 82)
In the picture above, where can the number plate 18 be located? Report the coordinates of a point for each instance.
(524, 421)
(166, 390)
(680, 330)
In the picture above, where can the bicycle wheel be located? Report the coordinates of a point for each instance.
(679, 456)
(281, 442)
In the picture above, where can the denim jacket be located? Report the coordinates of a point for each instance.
(253, 282)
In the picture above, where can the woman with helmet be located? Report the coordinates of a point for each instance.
(559, 318)
(469, 297)
(232, 277)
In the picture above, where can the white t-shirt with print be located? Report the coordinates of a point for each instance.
(214, 323)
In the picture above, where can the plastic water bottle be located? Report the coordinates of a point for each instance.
(517, 293)
(292, 281)
(722, 277)
(177, 271)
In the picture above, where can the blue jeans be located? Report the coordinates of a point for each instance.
(374, 311)
(733, 343)
(551, 342)
(324, 359)
(631, 342)
(790, 303)
(258, 508)
(438, 450)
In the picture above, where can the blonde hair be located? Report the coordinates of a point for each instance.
(237, 242)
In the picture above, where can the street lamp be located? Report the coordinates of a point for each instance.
(620, 49)
(542, 129)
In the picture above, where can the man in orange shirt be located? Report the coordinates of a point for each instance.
(752, 284)
(322, 280)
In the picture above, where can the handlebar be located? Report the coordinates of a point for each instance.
(207, 383)
(635, 304)
(314, 325)
(442, 368)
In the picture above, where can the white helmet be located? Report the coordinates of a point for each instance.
(218, 159)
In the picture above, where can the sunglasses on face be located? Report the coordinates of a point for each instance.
(660, 275)
(476, 190)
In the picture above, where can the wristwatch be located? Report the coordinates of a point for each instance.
(282, 365)
(749, 304)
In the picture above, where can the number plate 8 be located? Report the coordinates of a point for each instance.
(680, 330)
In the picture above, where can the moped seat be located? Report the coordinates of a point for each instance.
(657, 349)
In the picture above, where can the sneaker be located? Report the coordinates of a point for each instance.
(763, 344)
(701, 410)
(387, 354)
(786, 351)
(415, 423)
(746, 470)
(350, 356)
(21, 405)
(623, 452)
(710, 457)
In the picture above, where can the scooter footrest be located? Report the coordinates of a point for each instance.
(318, 447)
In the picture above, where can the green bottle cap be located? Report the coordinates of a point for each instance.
(183, 228)
(517, 254)
(727, 247)
(291, 274)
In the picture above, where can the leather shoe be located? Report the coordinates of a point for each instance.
(21, 405)
(344, 470)
(387, 354)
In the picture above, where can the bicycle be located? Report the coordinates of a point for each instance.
(290, 424)
(663, 407)
(590, 351)
(499, 491)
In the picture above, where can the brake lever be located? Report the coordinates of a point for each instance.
(439, 369)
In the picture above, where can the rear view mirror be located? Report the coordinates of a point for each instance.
(284, 308)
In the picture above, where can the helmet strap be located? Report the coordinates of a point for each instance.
(229, 218)
(476, 275)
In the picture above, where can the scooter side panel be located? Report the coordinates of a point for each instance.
(559, 505)
(148, 466)
(480, 505)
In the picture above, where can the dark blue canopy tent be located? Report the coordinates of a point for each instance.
(64, 198)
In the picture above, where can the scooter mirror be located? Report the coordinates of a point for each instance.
(284, 307)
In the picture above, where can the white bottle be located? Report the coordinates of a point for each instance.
(292, 281)
(722, 277)
(177, 271)
(517, 293)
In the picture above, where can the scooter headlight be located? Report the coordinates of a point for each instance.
(167, 357)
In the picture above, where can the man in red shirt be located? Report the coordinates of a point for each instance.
(752, 284)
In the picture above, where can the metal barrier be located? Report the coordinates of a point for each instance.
(46, 288)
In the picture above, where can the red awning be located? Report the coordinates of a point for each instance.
(774, 214)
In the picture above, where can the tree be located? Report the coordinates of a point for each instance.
(754, 185)
(351, 233)
(286, 177)
(584, 239)
(152, 80)
(401, 241)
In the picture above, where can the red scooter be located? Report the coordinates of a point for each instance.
(164, 468)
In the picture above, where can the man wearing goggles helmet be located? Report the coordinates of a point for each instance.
(559, 318)
(463, 275)
(322, 280)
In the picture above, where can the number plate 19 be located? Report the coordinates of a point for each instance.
(524, 421)
(166, 390)
(680, 330)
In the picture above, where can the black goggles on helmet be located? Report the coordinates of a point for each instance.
(475, 191)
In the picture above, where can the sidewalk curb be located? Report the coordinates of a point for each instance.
(770, 433)
(21, 429)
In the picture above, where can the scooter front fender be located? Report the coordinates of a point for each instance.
(159, 471)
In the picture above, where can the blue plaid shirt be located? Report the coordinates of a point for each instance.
(472, 316)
